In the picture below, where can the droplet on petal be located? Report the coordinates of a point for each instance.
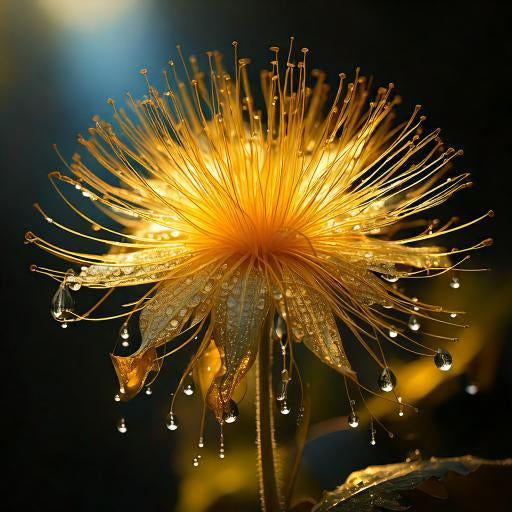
(230, 412)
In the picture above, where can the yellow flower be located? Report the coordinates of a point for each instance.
(292, 216)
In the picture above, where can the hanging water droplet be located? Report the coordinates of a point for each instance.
(121, 426)
(391, 278)
(200, 444)
(64, 325)
(117, 397)
(195, 462)
(280, 327)
(414, 323)
(393, 333)
(454, 282)
(149, 391)
(230, 412)
(170, 422)
(63, 304)
(284, 408)
(387, 380)
(353, 420)
(189, 389)
(453, 315)
(372, 433)
(123, 332)
(443, 360)
(221, 453)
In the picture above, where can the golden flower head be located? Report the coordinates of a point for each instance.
(247, 222)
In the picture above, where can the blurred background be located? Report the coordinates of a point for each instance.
(59, 62)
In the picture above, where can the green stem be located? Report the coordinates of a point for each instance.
(270, 494)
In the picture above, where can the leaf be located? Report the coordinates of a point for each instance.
(380, 486)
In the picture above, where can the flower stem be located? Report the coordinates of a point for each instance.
(270, 494)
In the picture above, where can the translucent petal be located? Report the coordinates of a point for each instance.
(176, 300)
(310, 315)
(132, 371)
(239, 317)
(132, 268)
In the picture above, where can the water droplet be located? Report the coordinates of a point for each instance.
(393, 333)
(74, 282)
(443, 360)
(63, 304)
(124, 333)
(453, 315)
(284, 408)
(195, 462)
(454, 282)
(149, 391)
(277, 294)
(471, 389)
(230, 412)
(414, 323)
(170, 422)
(200, 444)
(64, 325)
(391, 278)
(280, 327)
(117, 397)
(353, 420)
(387, 380)
(189, 389)
(121, 426)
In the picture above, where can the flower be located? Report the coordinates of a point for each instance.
(242, 219)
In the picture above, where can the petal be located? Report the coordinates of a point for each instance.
(312, 322)
(176, 300)
(239, 316)
(133, 268)
(163, 318)
(132, 371)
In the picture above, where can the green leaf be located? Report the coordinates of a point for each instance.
(380, 486)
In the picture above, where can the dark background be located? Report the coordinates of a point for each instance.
(59, 63)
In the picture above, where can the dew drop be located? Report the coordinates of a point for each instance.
(414, 323)
(148, 391)
(170, 422)
(387, 380)
(189, 389)
(64, 325)
(280, 327)
(443, 360)
(63, 305)
(284, 408)
(454, 282)
(124, 333)
(117, 397)
(393, 333)
(195, 462)
(391, 278)
(353, 420)
(74, 282)
(121, 426)
(471, 389)
(230, 412)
